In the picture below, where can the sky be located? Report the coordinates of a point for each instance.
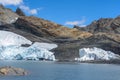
(67, 12)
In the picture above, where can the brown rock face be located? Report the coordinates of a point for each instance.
(8, 70)
(43, 27)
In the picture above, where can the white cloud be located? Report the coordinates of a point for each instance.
(20, 4)
(33, 11)
(80, 23)
(11, 2)
(28, 10)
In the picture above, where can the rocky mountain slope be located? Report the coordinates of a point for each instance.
(45, 28)
(106, 25)
(103, 33)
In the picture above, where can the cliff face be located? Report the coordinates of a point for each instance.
(103, 33)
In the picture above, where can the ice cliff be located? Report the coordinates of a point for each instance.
(87, 54)
(11, 48)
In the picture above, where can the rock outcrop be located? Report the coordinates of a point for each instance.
(20, 12)
(12, 71)
(7, 16)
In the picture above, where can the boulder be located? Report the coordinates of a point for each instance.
(8, 70)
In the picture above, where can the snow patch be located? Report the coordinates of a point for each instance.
(13, 20)
(87, 54)
(47, 46)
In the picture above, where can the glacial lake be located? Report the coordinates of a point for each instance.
(63, 71)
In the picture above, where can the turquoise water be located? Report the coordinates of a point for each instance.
(63, 71)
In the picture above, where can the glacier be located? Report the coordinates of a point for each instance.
(11, 48)
(9, 38)
(88, 54)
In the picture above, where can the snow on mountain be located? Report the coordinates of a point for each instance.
(11, 49)
(9, 38)
(47, 46)
(87, 54)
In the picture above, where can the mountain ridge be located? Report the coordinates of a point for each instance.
(103, 33)
(108, 25)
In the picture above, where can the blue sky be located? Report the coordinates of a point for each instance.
(68, 12)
